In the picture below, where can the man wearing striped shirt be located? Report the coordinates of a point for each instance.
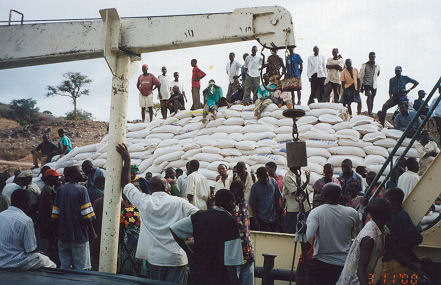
(73, 212)
(196, 77)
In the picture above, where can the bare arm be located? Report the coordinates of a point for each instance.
(125, 174)
(366, 247)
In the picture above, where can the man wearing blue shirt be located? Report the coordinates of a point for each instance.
(403, 119)
(397, 89)
(347, 175)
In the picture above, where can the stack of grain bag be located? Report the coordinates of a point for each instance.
(236, 135)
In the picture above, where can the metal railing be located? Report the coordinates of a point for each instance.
(389, 159)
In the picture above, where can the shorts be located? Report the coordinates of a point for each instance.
(145, 101)
(350, 95)
(371, 89)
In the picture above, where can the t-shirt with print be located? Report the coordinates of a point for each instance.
(72, 209)
(253, 64)
(64, 140)
(146, 82)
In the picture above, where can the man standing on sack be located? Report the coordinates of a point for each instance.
(317, 74)
(147, 82)
(369, 73)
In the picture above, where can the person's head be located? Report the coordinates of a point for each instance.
(398, 70)
(134, 169)
(52, 177)
(318, 200)
(348, 63)
(87, 167)
(361, 170)
(262, 175)
(148, 176)
(158, 184)
(73, 174)
(331, 193)
(4, 203)
(145, 68)
(45, 138)
(24, 178)
(395, 196)
(20, 199)
(164, 70)
(346, 167)
(175, 89)
(170, 173)
(231, 56)
(245, 55)
(372, 56)
(370, 176)
(380, 211)
(187, 167)
(211, 82)
(60, 133)
(412, 164)
(328, 171)
(404, 107)
(421, 94)
(194, 62)
(237, 188)
(225, 198)
(273, 51)
(253, 50)
(100, 181)
(424, 137)
(176, 75)
(241, 168)
(179, 172)
(335, 52)
(271, 168)
(354, 188)
(43, 170)
(222, 169)
(193, 165)
(316, 50)
(16, 173)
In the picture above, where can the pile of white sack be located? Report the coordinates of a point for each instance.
(236, 136)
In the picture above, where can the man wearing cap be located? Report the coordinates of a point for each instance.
(146, 83)
(44, 151)
(397, 89)
(419, 102)
(405, 116)
(139, 182)
(52, 181)
(212, 95)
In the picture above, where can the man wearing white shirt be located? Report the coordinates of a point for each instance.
(334, 67)
(252, 77)
(180, 85)
(233, 72)
(197, 186)
(158, 211)
(164, 91)
(369, 73)
(316, 71)
(410, 178)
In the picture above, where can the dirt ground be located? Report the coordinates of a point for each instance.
(17, 141)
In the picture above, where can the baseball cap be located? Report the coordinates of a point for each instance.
(51, 172)
(25, 173)
(134, 169)
(398, 68)
(421, 92)
(145, 65)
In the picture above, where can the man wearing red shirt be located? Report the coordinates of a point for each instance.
(196, 77)
(147, 82)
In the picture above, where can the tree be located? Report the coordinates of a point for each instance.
(81, 115)
(72, 86)
(25, 110)
(46, 112)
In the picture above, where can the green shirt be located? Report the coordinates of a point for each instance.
(64, 140)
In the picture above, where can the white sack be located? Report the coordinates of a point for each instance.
(354, 143)
(348, 134)
(223, 143)
(235, 137)
(336, 160)
(323, 105)
(245, 145)
(135, 148)
(229, 129)
(317, 160)
(192, 127)
(230, 152)
(189, 154)
(342, 126)
(314, 167)
(257, 128)
(392, 133)
(313, 151)
(208, 157)
(283, 137)
(306, 120)
(176, 155)
(324, 127)
(347, 150)
(360, 120)
(258, 136)
(284, 130)
(162, 136)
(234, 121)
(210, 149)
(247, 115)
(215, 123)
(329, 118)
(374, 159)
(376, 150)
(167, 129)
(386, 142)
(411, 153)
(320, 143)
(138, 134)
(319, 136)
(365, 129)
(136, 127)
(319, 112)
(374, 136)
(269, 121)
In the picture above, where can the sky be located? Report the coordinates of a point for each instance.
(401, 32)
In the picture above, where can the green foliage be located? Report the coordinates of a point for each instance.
(72, 86)
(25, 110)
(157, 107)
(81, 115)
(47, 112)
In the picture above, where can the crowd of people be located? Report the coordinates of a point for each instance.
(57, 221)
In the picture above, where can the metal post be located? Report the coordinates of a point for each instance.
(112, 189)
(268, 265)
